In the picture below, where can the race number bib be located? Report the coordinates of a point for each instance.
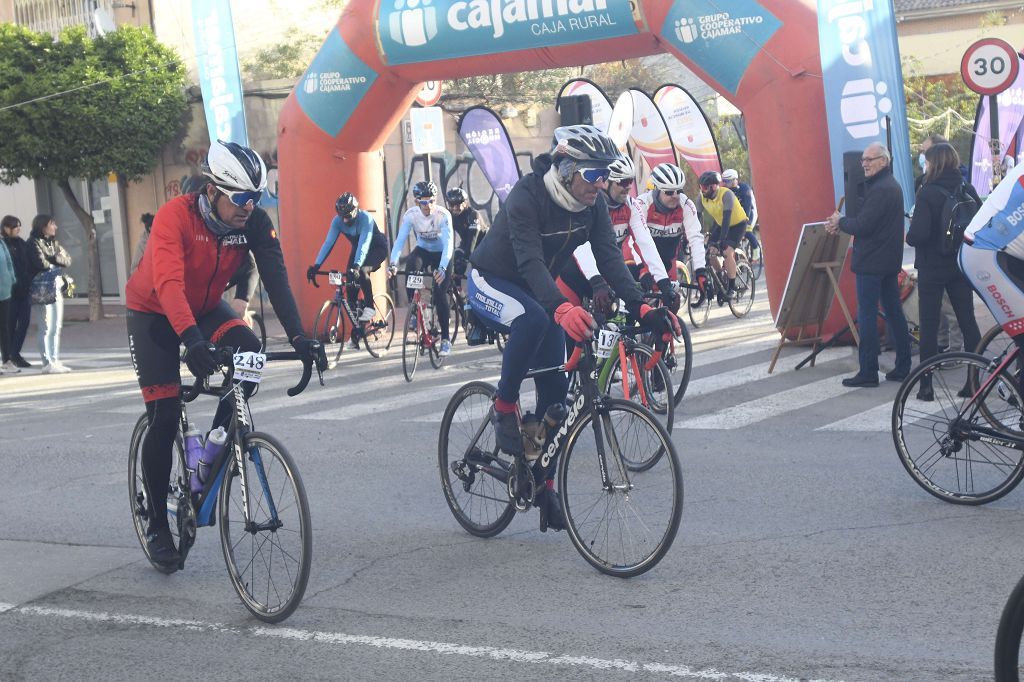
(335, 279)
(414, 281)
(606, 339)
(249, 367)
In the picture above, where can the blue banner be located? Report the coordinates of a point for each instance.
(333, 85)
(863, 80)
(488, 141)
(219, 76)
(412, 31)
(720, 41)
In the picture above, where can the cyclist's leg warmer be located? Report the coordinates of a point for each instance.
(998, 279)
(506, 307)
(441, 301)
(414, 263)
(551, 387)
(366, 286)
(164, 414)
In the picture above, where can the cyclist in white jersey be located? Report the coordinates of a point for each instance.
(432, 226)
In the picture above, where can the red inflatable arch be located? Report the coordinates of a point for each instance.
(365, 77)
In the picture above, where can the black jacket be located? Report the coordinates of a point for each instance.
(877, 227)
(926, 230)
(533, 237)
(19, 254)
(45, 253)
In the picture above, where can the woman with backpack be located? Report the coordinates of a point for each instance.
(944, 208)
(45, 255)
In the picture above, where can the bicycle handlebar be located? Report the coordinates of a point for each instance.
(225, 360)
(327, 273)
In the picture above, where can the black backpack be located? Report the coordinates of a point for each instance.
(957, 212)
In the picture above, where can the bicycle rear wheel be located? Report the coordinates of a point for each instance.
(938, 449)
(471, 465)
(698, 313)
(994, 343)
(329, 329)
(381, 331)
(268, 555)
(680, 364)
(1008, 636)
(139, 502)
(742, 300)
(625, 528)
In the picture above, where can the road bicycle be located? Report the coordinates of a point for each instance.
(253, 492)
(965, 444)
(423, 337)
(678, 355)
(619, 480)
(740, 300)
(337, 320)
(756, 265)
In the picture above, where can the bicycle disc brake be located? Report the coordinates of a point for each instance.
(522, 489)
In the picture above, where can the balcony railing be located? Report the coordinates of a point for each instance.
(53, 16)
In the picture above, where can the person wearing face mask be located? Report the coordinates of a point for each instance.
(512, 289)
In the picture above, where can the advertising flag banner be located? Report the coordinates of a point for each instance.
(1011, 116)
(863, 81)
(649, 133)
(691, 133)
(219, 77)
(600, 105)
(620, 127)
(488, 141)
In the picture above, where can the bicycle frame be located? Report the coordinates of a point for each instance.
(627, 363)
(986, 434)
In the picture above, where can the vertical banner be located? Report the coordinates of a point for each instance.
(1011, 116)
(600, 105)
(219, 76)
(649, 133)
(863, 82)
(621, 124)
(689, 128)
(488, 141)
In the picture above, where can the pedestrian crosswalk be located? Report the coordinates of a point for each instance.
(730, 388)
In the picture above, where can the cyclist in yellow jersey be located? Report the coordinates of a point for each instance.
(729, 218)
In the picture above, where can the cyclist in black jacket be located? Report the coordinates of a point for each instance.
(512, 288)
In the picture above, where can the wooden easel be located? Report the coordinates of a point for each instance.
(818, 284)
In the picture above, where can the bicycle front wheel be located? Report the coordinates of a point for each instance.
(330, 330)
(268, 550)
(410, 352)
(622, 527)
(680, 362)
(939, 448)
(381, 331)
(1008, 636)
(742, 300)
(138, 497)
(471, 466)
(698, 306)
(651, 388)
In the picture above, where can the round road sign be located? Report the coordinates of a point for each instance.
(990, 66)
(429, 94)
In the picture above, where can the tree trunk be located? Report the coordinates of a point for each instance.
(85, 218)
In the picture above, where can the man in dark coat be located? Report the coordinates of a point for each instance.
(877, 228)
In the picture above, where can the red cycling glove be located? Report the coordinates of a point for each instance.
(576, 321)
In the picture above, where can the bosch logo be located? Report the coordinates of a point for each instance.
(1000, 301)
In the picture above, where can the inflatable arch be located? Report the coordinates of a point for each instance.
(762, 55)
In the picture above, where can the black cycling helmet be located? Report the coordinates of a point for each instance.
(424, 190)
(587, 145)
(456, 195)
(346, 205)
(710, 178)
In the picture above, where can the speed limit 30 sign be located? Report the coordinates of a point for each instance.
(989, 66)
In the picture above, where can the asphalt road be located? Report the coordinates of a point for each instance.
(805, 550)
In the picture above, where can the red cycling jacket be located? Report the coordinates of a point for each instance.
(179, 237)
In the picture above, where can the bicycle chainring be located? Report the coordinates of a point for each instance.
(522, 488)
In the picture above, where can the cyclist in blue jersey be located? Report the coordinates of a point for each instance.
(433, 228)
(743, 192)
(369, 249)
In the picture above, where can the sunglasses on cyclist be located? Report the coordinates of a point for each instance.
(242, 198)
(594, 175)
(425, 202)
(670, 192)
(625, 184)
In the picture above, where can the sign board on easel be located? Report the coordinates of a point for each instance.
(812, 285)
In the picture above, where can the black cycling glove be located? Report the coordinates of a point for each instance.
(311, 273)
(601, 295)
(647, 281)
(669, 296)
(199, 353)
(310, 348)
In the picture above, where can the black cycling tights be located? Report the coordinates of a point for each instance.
(421, 260)
(164, 418)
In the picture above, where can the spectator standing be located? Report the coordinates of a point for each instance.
(19, 308)
(44, 254)
(140, 248)
(938, 273)
(877, 229)
(7, 278)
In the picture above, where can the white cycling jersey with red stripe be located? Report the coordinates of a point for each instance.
(627, 223)
(668, 228)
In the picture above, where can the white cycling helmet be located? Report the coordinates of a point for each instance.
(622, 169)
(235, 168)
(668, 176)
(585, 144)
(730, 174)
